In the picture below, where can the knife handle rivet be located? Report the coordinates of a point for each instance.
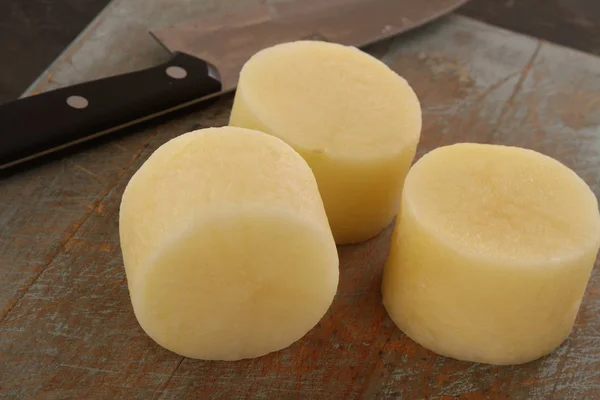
(176, 72)
(77, 102)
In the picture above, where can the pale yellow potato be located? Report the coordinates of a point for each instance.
(354, 120)
(491, 253)
(226, 245)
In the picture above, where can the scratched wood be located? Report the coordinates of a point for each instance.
(67, 329)
(571, 23)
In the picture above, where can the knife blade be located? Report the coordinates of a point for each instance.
(207, 56)
(350, 22)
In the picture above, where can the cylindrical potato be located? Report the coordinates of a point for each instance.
(491, 253)
(354, 120)
(226, 245)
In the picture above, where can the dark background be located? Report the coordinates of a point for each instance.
(34, 32)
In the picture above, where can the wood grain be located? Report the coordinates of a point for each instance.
(33, 33)
(67, 329)
(572, 23)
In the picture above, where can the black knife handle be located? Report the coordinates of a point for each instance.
(41, 124)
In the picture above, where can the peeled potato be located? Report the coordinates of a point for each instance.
(226, 245)
(354, 120)
(491, 253)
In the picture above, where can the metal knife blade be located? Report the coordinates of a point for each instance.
(227, 41)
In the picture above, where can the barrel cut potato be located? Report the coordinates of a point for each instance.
(226, 245)
(354, 120)
(491, 253)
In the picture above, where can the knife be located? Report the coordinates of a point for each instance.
(207, 56)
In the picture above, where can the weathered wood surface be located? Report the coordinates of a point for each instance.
(571, 23)
(67, 328)
(33, 33)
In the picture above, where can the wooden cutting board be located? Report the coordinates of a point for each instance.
(67, 329)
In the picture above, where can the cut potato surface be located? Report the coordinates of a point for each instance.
(226, 245)
(354, 120)
(491, 253)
